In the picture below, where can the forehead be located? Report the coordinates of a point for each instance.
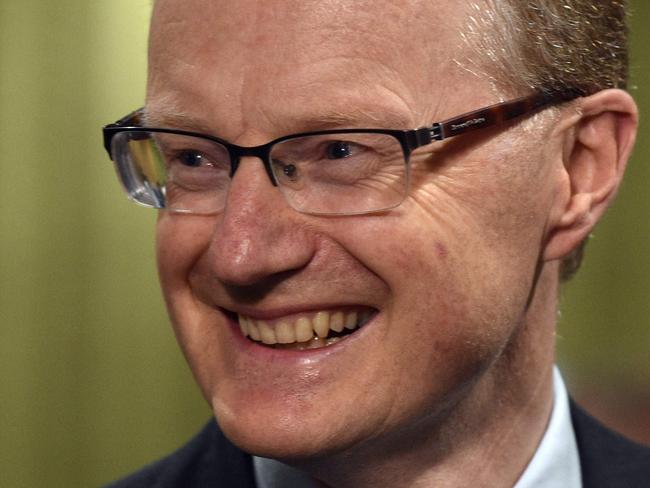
(303, 53)
(268, 22)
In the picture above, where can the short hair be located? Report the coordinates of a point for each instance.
(551, 45)
(554, 44)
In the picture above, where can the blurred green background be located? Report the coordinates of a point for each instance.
(92, 383)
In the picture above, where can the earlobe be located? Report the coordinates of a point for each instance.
(598, 143)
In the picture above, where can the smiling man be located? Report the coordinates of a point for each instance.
(363, 280)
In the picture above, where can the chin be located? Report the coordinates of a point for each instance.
(281, 437)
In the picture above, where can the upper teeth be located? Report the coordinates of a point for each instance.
(302, 328)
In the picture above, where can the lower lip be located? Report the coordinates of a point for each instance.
(273, 355)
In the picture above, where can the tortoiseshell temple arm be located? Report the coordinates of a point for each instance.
(496, 114)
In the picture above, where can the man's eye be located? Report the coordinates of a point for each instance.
(192, 159)
(339, 150)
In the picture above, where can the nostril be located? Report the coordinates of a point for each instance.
(255, 291)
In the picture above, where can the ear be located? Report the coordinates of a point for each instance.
(597, 142)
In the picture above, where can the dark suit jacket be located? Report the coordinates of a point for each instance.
(211, 461)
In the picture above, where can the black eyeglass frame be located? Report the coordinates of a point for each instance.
(409, 139)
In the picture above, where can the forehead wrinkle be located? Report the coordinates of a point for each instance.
(354, 118)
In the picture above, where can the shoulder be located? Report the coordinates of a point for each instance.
(607, 459)
(208, 460)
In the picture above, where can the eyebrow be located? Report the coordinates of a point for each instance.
(357, 118)
(175, 120)
(334, 119)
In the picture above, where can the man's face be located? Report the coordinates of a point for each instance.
(444, 279)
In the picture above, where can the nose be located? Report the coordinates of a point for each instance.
(258, 236)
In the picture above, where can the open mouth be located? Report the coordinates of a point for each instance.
(305, 331)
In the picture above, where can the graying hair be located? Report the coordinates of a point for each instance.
(530, 45)
(552, 44)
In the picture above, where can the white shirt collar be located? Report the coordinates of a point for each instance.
(555, 464)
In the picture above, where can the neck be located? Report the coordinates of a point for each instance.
(487, 438)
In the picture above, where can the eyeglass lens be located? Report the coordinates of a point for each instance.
(329, 174)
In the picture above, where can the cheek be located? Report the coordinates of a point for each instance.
(459, 262)
(449, 307)
(491, 206)
(180, 242)
(442, 314)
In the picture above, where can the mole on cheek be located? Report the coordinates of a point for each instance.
(441, 250)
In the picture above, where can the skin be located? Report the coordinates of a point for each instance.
(450, 383)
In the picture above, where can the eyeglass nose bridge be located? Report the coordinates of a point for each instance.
(262, 153)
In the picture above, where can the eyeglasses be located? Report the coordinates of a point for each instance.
(329, 172)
